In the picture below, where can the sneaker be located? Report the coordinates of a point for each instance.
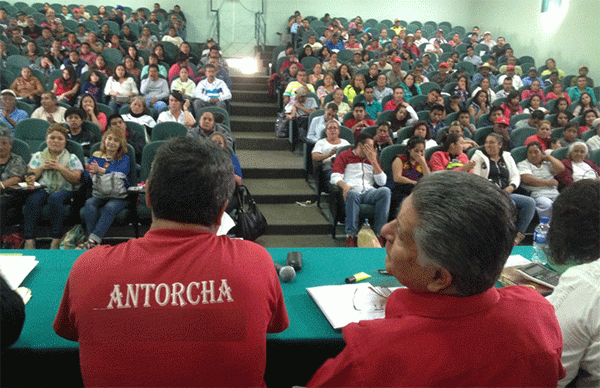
(89, 244)
(351, 242)
(519, 238)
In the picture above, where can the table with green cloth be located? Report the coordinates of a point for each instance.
(292, 356)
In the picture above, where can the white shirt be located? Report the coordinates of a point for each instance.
(576, 300)
(543, 172)
(324, 147)
(583, 171)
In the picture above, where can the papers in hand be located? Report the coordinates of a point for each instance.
(349, 303)
(15, 268)
(23, 185)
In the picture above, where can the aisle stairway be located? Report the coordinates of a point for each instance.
(274, 175)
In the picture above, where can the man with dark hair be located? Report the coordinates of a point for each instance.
(9, 113)
(436, 120)
(155, 89)
(448, 246)
(318, 124)
(211, 91)
(75, 62)
(356, 171)
(180, 306)
(77, 133)
(358, 122)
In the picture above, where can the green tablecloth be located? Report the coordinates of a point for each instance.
(309, 339)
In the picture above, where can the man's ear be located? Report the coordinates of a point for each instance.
(146, 191)
(442, 280)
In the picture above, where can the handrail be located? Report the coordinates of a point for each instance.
(218, 20)
(260, 27)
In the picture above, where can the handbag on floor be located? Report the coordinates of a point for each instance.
(74, 237)
(250, 223)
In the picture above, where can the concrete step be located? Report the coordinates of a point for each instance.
(280, 191)
(292, 219)
(253, 124)
(251, 95)
(249, 87)
(271, 164)
(260, 141)
(249, 79)
(262, 109)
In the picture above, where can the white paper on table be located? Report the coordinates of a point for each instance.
(226, 224)
(515, 260)
(23, 185)
(347, 303)
(15, 269)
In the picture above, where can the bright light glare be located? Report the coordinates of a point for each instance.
(243, 65)
(555, 15)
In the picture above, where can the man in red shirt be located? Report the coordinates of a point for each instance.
(180, 306)
(359, 122)
(450, 326)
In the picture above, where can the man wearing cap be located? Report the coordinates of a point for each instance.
(426, 63)
(439, 37)
(397, 75)
(77, 16)
(471, 57)
(532, 76)
(10, 114)
(397, 27)
(412, 45)
(583, 70)
(502, 127)
(487, 40)
(334, 44)
(442, 78)
(575, 91)
(485, 71)
(511, 61)
(517, 82)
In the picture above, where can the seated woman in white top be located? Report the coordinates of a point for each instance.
(184, 84)
(537, 174)
(325, 149)
(573, 240)
(138, 113)
(578, 166)
(421, 129)
(178, 111)
(120, 88)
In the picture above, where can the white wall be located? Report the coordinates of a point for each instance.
(572, 44)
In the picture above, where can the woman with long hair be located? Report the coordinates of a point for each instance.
(65, 88)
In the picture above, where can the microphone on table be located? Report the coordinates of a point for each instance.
(294, 259)
(285, 273)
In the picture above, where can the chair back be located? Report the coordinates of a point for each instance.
(388, 155)
(93, 128)
(148, 155)
(519, 135)
(481, 133)
(431, 151)
(167, 130)
(560, 153)
(519, 153)
(22, 149)
(32, 132)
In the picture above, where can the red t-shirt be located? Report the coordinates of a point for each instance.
(351, 122)
(543, 142)
(504, 337)
(173, 308)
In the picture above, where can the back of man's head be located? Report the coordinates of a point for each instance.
(190, 181)
(466, 226)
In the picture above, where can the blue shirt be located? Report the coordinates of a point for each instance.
(237, 168)
(331, 46)
(17, 115)
(374, 108)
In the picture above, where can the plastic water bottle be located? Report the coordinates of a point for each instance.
(366, 237)
(539, 241)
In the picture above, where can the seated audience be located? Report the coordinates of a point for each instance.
(134, 138)
(538, 174)
(356, 171)
(108, 169)
(178, 111)
(451, 157)
(65, 88)
(12, 171)
(325, 149)
(575, 92)
(383, 137)
(57, 170)
(585, 103)
(535, 103)
(92, 113)
(577, 165)
(77, 133)
(50, 110)
(138, 113)
(93, 86)
(27, 87)
(120, 88)
(358, 121)
(589, 116)
(542, 136)
(318, 124)
(500, 168)
(480, 105)
(155, 89)
(211, 91)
